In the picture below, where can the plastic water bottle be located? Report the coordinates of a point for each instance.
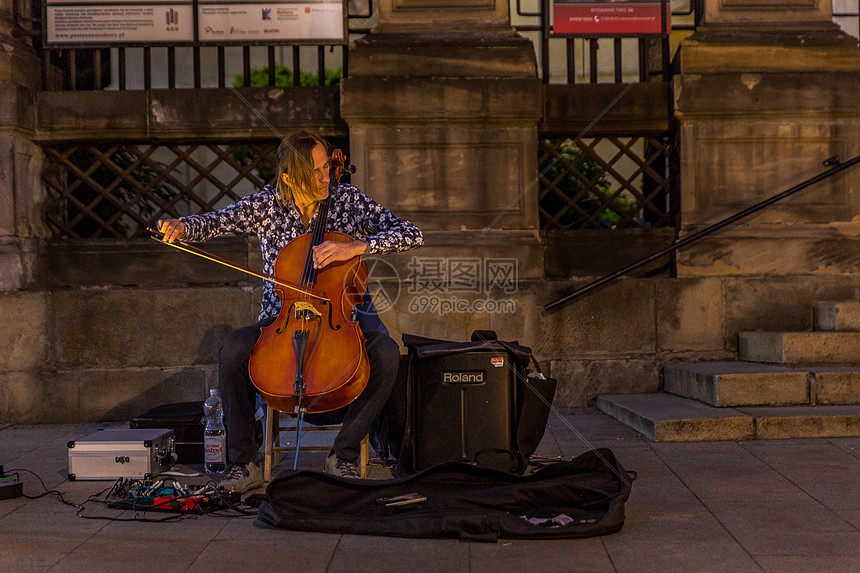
(214, 436)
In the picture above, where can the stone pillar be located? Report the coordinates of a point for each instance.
(443, 100)
(767, 91)
(21, 190)
(24, 340)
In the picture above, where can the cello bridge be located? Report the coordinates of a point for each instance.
(306, 310)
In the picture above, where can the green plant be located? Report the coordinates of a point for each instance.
(558, 171)
(284, 77)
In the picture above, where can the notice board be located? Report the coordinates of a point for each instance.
(610, 17)
(177, 22)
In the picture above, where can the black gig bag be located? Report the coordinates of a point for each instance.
(184, 418)
(582, 497)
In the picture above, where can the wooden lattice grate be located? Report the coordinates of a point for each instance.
(605, 182)
(119, 190)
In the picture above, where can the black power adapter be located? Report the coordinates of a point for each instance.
(10, 486)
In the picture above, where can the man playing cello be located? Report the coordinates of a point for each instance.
(277, 214)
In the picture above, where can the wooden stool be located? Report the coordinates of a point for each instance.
(272, 439)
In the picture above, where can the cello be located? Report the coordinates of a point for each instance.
(311, 358)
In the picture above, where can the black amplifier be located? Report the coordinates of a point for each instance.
(464, 409)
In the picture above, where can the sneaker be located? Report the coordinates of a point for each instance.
(341, 468)
(241, 477)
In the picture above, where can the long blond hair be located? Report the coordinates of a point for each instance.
(295, 158)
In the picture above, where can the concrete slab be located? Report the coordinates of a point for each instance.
(851, 515)
(668, 418)
(783, 528)
(97, 555)
(580, 429)
(835, 315)
(714, 556)
(777, 302)
(35, 541)
(804, 564)
(663, 505)
(728, 384)
(425, 555)
(793, 348)
(805, 421)
(662, 527)
(705, 506)
(807, 460)
(546, 556)
(849, 445)
(192, 530)
(291, 551)
(726, 471)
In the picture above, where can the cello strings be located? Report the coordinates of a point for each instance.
(309, 275)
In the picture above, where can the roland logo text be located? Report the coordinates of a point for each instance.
(474, 377)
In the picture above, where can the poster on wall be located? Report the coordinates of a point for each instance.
(609, 17)
(73, 22)
(172, 22)
(220, 21)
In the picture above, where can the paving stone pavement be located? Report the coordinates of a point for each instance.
(774, 506)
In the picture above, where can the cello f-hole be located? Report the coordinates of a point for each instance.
(280, 330)
(331, 323)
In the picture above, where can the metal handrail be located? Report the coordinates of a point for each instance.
(833, 162)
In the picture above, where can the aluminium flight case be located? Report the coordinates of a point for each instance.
(121, 453)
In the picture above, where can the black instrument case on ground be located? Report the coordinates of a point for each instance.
(184, 418)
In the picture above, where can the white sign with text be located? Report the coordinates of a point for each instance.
(120, 22)
(219, 21)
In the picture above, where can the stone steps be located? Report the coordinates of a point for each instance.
(794, 348)
(664, 417)
(727, 384)
(732, 384)
(832, 316)
(785, 385)
(836, 385)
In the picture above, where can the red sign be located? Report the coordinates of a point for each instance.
(608, 17)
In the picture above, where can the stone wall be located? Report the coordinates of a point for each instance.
(767, 93)
(124, 327)
(104, 330)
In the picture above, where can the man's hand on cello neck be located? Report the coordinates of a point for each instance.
(330, 252)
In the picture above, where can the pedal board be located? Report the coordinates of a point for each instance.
(164, 495)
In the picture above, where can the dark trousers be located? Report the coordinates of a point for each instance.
(239, 394)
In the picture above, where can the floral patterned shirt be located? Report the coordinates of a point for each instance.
(349, 211)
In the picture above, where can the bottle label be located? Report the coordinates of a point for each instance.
(214, 449)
